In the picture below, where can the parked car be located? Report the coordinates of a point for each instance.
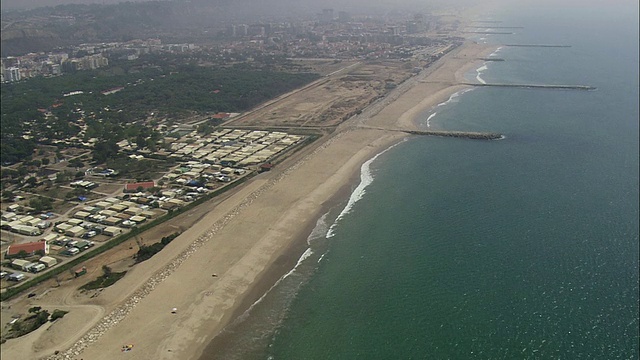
(16, 277)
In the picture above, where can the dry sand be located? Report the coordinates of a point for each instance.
(258, 228)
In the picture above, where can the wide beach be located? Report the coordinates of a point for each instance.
(218, 268)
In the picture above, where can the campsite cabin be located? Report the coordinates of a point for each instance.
(48, 261)
(112, 231)
(21, 264)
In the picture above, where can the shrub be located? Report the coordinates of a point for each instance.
(103, 281)
(57, 314)
(146, 252)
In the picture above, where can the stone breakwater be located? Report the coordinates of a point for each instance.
(459, 134)
(535, 86)
(120, 312)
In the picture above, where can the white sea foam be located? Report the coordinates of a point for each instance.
(480, 70)
(366, 178)
(429, 119)
(495, 53)
(320, 230)
(454, 97)
(302, 258)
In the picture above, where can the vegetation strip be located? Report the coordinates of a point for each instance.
(107, 279)
(38, 318)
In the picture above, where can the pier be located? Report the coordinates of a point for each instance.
(445, 133)
(495, 27)
(491, 59)
(489, 32)
(457, 134)
(538, 45)
(536, 86)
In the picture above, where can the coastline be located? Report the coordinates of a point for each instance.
(285, 263)
(255, 236)
(293, 254)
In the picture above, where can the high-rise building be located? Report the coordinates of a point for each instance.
(231, 31)
(257, 30)
(327, 15)
(56, 69)
(267, 29)
(344, 16)
(242, 30)
(12, 74)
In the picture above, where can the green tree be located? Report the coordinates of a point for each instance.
(58, 314)
(40, 203)
(106, 271)
(7, 195)
(104, 150)
(151, 145)
(141, 141)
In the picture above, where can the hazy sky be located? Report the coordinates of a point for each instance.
(312, 6)
(30, 4)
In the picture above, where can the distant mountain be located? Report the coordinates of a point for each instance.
(44, 29)
(32, 4)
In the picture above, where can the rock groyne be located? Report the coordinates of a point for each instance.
(458, 134)
(534, 86)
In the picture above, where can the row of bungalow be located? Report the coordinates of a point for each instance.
(23, 224)
(108, 216)
(227, 146)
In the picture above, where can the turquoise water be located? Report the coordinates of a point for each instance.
(523, 248)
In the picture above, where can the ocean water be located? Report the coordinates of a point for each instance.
(522, 248)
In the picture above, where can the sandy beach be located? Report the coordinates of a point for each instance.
(219, 267)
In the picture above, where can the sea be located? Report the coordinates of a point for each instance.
(520, 248)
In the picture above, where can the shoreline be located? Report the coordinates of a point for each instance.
(296, 250)
(290, 258)
(217, 269)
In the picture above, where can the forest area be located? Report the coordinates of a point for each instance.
(39, 108)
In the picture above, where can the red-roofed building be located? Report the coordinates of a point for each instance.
(134, 186)
(30, 248)
(266, 167)
(221, 116)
